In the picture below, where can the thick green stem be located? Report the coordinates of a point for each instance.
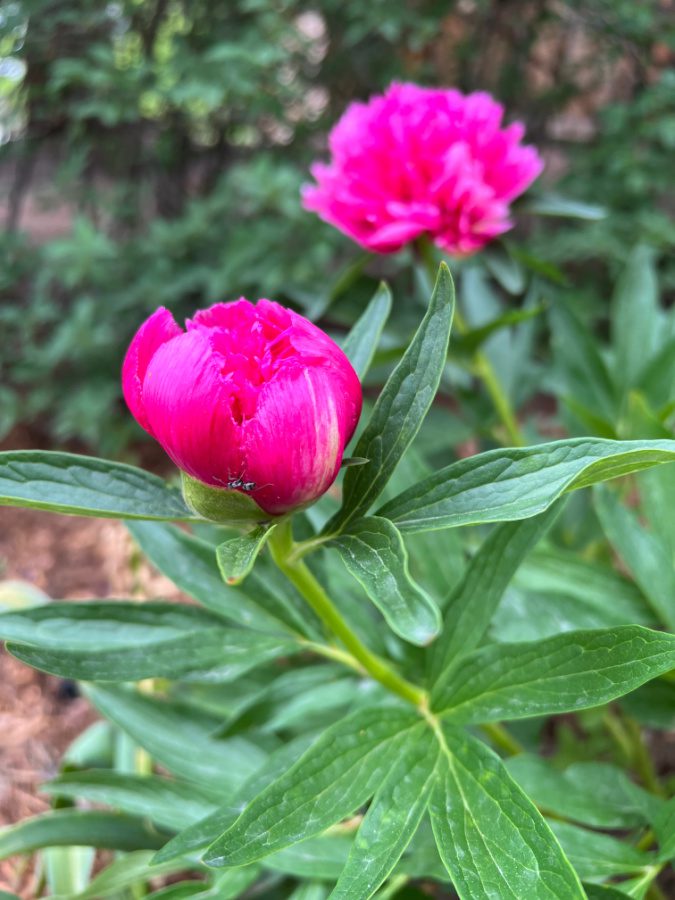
(281, 545)
(502, 739)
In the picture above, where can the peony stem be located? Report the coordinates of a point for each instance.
(481, 362)
(281, 545)
(484, 369)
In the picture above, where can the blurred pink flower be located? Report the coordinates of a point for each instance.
(417, 161)
(253, 398)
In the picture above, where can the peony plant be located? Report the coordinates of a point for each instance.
(337, 714)
(384, 630)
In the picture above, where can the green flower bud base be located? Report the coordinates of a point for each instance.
(221, 505)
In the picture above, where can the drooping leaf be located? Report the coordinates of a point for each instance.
(237, 556)
(85, 828)
(572, 671)
(504, 485)
(392, 818)
(86, 486)
(646, 553)
(361, 342)
(492, 840)
(473, 603)
(180, 739)
(198, 836)
(122, 641)
(373, 551)
(167, 802)
(565, 207)
(401, 406)
(338, 773)
(267, 600)
(596, 855)
(664, 826)
(593, 793)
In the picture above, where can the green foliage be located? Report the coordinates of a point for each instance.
(296, 740)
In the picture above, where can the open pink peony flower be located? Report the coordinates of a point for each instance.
(252, 398)
(420, 161)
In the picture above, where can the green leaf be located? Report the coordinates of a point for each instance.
(595, 794)
(473, 339)
(596, 855)
(267, 601)
(503, 485)
(65, 827)
(85, 486)
(393, 817)
(198, 836)
(476, 598)
(587, 380)
(504, 268)
(602, 892)
(125, 641)
(565, 207)
(635, 317)
(572, 671)
(362, 341)
(492, 840)
(374, 552)
(664, 826)
(237, 556)
(646, 553)
(338, 773)
(401, 406)
(133, 868)
(657, 495)
(179, 738)
(170, 804)
(321, 857)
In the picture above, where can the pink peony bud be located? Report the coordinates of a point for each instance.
(250, 398)
(422, 161)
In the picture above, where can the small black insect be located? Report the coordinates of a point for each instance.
(239, 483)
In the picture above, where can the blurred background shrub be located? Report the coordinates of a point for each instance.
(152, 151)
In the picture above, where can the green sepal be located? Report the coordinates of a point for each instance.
(221, 505)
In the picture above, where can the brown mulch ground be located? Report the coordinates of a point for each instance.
(67, 558)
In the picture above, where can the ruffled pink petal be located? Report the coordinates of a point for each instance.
(414, 148)
(153, 333)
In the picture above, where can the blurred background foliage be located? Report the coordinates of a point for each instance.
(152, 152)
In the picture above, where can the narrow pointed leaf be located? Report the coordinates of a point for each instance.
(86, 486)
(505, 485)
(338, 773)
(475, 600)
(198, 836)
(593, 793)
(595, 855)
(237, 556)
(491, 838)
(572, 671)
(636, 317)
(646, 553)
(179, 738)
(361, 342)
(122, 641)
(82, 828)
(401, 407)
(374, 552)
(393, 817)
(267, 600)
(169, 803)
